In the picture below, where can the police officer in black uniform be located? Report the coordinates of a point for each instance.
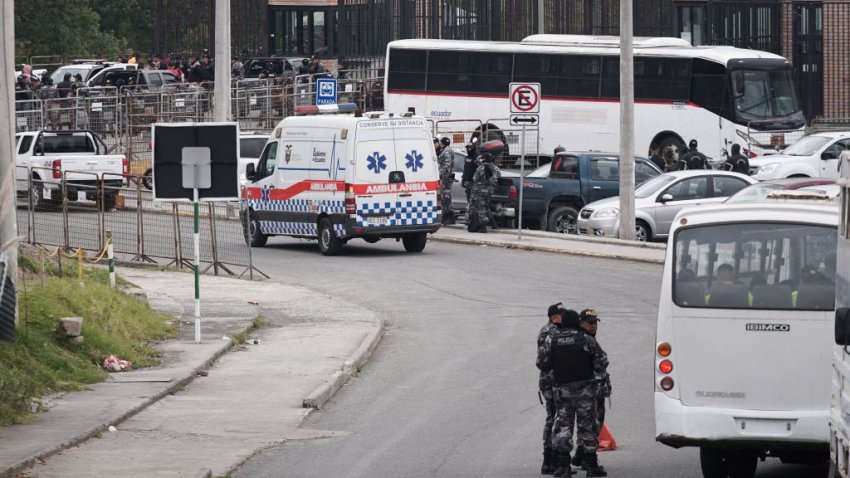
(737, 162)
(470, 164)
(693, 159)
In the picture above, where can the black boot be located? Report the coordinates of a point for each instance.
(578, 458)
(564, 468)
(549, 461)
(593, 468)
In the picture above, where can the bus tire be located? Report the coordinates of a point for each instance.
(414, 242)
(741, 464)
(329, 244)
(712, 462)
(563, 219)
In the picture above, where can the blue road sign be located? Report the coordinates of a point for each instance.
(326, 91)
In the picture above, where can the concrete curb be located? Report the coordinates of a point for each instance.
(578, 238)
(529, 247)
(12, 470)
(318, 397)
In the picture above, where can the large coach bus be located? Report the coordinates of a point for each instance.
(742, 359)
(839, 417)
(718, 95)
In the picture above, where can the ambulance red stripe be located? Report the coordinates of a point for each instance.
(339, 186)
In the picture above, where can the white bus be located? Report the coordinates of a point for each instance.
(747, 302)
(717, 95)
(839, 417)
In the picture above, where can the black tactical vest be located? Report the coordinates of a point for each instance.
(570, 361)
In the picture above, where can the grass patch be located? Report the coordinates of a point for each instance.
(241, 337)
(42, 362)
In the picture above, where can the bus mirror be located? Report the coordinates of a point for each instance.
(842, 326)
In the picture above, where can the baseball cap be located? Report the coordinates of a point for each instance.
(588, 315)
(555, 309)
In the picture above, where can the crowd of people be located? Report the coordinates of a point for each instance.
(670, 159)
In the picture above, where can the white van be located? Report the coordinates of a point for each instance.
(742, 363)
(336, 177)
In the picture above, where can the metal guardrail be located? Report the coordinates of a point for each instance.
(772, 139)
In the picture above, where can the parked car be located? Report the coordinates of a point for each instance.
(147, 80)
(759, 191)
(503, 197)
(555, 193)
(78, 157)
(658, 200)
(813, 156)
(85, 68)
(250, 148)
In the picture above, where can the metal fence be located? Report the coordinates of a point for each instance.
(75, 215)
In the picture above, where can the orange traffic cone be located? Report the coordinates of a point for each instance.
(606, 439)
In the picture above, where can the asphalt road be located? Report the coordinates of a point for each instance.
(451, 390)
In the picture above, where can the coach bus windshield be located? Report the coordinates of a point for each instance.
(766, 95)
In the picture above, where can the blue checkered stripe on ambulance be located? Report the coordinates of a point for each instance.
(401, 213)
(297, 205)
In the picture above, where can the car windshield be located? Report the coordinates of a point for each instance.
(806, 146)
(653, 185)
(251, 147)
(59, 75)
(765, 94)
(754, 193)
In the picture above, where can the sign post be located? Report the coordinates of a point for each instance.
(525, 109)
(197, 174)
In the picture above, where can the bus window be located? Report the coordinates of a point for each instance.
(755, 265)
(407, 70)
(542, 69)
(579, 77)
(707, 85)
(492, 72)
(610, 77)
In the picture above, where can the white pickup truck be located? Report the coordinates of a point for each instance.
(813, 156)
(78, 157)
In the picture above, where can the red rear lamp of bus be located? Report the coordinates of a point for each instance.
(664, 349)
(665, 367)
(666, 384)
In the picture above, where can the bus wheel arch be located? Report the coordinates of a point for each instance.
(665, 138)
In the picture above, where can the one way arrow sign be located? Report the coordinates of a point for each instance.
(524, 119)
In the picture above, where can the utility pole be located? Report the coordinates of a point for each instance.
(627, 123)
(541, 17)
(8, 219)
(222, 60)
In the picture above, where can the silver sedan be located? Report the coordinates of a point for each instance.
(658, 200)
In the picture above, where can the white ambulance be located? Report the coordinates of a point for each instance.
(336, 177)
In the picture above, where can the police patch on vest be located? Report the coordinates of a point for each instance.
(566, 340)
(769, 327)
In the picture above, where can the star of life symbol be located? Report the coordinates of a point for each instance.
(414, 161)
(376, 162)
(265, 192)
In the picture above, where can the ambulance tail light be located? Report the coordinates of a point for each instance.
(664, 349)
(665, 367)
(350, 202)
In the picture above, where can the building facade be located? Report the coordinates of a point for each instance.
(814, 35)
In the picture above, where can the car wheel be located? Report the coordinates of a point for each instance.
(563, 219)
(147, 180)
(329, 244)
(415, 242)
(712, 463)
(642, 231)
(252, 234)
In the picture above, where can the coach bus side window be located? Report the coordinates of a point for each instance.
(492, 72)
(707, 86)
(662, 79)
(538, 68)
(407, 70)
(449, 71)
(610, 77)
(579, 77)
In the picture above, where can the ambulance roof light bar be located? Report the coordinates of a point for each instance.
(325, 109)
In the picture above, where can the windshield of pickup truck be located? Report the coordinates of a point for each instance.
(806, 146)
(650, 187)
(66, 144)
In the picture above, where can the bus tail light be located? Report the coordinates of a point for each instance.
(665, 367)
(666, 384)
(350, 202)
(664, 349)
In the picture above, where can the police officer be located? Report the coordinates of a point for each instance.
(445, 160)
(545, 385)
(589, 324)
(655, 156)
(470, 164)
(738, 162)
(484, 183)
(693, 159)
(577, 362)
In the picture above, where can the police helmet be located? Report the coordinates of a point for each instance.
(445, 141)
(559, 149)
(692, 144)
(736, 148)
(436, 140)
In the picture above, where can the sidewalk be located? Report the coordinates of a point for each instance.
(558, 243)
(173, 420)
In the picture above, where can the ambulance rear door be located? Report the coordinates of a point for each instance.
(416, 158)
(376, 173)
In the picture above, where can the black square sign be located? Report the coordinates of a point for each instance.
(169, 139)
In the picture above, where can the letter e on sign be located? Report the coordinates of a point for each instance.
(525, 97)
